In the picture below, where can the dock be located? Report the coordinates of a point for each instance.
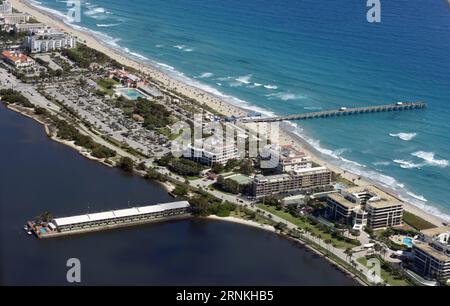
(399, 106)
(109, 219)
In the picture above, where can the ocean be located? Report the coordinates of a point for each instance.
(293, 56)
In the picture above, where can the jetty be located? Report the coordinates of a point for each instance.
(108, 220)
(343, 111)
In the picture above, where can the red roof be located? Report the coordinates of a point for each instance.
(14, 56)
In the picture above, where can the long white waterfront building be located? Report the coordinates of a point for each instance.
(115, 218)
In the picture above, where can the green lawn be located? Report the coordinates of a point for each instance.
(304, 224)
(107, 85)
(416, 222)
(385, 275)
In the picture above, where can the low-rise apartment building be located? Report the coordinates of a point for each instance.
(365, 206)
(432, 253)
(28, 27)
(304, 180)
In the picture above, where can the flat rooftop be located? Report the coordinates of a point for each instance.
(112, 214)
(431, 251)
(339, 198)
(384, 199)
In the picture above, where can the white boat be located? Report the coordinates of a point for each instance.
(25, 228)
(29, 233)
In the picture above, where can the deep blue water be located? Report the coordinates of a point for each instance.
(294, 56)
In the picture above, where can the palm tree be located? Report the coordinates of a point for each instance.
(377, 247)
(349, 253)
(45, 217)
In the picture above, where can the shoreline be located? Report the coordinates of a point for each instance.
(80, 150)
(169, 187)
(271, 229)
(286, 135)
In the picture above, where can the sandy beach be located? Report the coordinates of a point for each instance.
(214, 102)
(244, 222)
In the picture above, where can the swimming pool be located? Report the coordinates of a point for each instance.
(408, 242)
(130, 93)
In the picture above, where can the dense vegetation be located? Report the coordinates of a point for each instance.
(107, 85)
(83, 56)
(126, 164)
(152, 174)
(205, 205)
(13, 96)
(68, 132)
(180, 166)
(231, 186)
(155, 115)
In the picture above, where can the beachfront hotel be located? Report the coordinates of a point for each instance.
(48, 40)
(211, 151)
(302, 179)
(17, 59)
(432, 253)
(365, 206)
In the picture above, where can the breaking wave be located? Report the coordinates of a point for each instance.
(107, 25)
(429, 159)
(404, 136)
(285, 96)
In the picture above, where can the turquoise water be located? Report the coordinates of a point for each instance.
(130, 94)
(408, 242)
(295, 56)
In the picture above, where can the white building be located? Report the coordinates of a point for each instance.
(212, 150)
(286, 158)
(48, 40)
(11, 19)
(5, 8)
(28, 27)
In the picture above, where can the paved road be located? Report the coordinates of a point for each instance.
(9, 81)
